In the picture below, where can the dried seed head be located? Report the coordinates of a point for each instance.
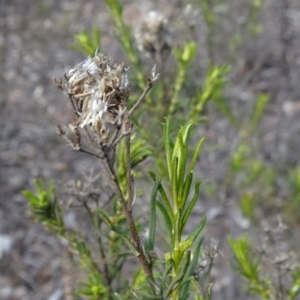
(154, 36)
(99, 91)
(213, 250)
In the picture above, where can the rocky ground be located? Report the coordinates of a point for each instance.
(35, 48)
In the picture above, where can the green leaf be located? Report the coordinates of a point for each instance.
(191, 204)
(168, 147)
(185, 296)
(248, 262)
(40, 186)
(181, 163)
(189, 52)
(34, 200)
(180, 147)
(196, 154)
(184, 245)
(258, 110)
(180, 151)
(174, 181)
(152, 225)
(178, 279)
(139, 151)
(192, 266)
(164, 197)
(130, 244)
(294, 290)
(186, 188)
(166, 202)
(167, 220)
(105, 217)
(118, 296)
(167, 271)
(88, 43)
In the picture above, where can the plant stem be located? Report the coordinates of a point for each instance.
(112, 179)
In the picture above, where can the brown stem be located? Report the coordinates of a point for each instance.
(135, 236)
(145, 92)
(129, 175)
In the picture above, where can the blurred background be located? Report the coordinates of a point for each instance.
(250, 178)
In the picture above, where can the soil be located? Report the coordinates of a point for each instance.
(35, 48)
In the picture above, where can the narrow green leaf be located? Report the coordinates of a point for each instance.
(174, 181)
(294, 290)
(139, 151)
(258, 110)
(180, 147)
(196, 154)
(181, 165)
(34, 200)
(166, 202)
(191, 204)
(167, 220)
(176, 150)
(246, 259)
(118, 296)
(130, 244)
(185, 296)
(40, 186)
(186, 188)
(177, 280)
(167, 270)
(184, 245)
(164, 196)
(189, 52)
(192, 266)
(105, 217)
(168, 147)
(177, 226)
(152, 225)
(186, 132)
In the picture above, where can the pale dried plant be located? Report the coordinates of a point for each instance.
(154, 36)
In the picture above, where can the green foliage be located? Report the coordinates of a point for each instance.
(93, 288)
(184, 58)
(248, 263)
(176, 209)
(212, 89)
(258, 110)
(249, 176)
(293, 204)
(167, 97)
(247, 205)
(139, 151)
(87, 43)
(173, 275)
(295, 288)
(44, 206)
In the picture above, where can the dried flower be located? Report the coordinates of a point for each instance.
(154, 36)
(99, 92)
(213, 250)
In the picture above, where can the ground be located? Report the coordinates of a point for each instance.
(35, 48)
